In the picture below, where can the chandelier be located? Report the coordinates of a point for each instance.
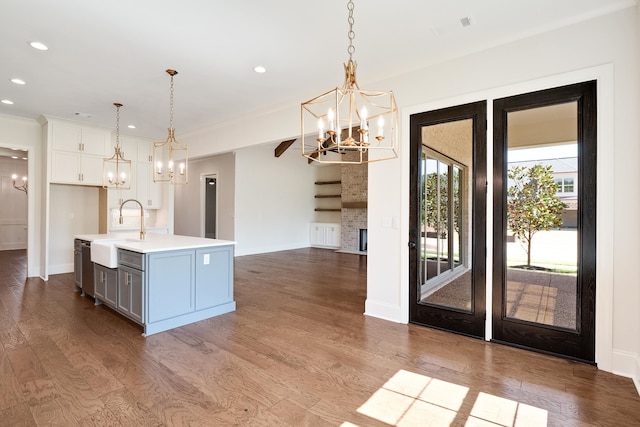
(116, 170)
(350, 125)
(22, 187)
(170, 158)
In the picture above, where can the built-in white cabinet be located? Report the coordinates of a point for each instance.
(77, 153)
(149, 192)
(325, 235)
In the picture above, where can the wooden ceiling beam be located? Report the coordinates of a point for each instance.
(282, 147)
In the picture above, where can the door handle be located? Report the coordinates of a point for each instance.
(412, 245)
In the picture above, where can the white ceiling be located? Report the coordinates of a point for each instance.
(118, 51)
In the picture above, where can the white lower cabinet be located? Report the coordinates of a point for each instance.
(325, 235)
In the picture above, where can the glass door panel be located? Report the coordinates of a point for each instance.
(542, 236)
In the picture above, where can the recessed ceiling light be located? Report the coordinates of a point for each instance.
(85, 115)
(131, 126)
(7, 101)
(18, 81)
(14, 157)
(24, 158)
(260, 69)
(39, 46)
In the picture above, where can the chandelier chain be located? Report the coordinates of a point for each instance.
(352, 35)
(118, 126)
(171, 104)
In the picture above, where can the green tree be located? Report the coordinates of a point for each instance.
(532, 204)
(435, 209)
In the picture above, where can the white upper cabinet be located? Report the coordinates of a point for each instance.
(77, 152)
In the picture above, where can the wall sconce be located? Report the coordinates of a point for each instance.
(22, 187)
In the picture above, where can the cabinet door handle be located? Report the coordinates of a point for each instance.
(126, 278)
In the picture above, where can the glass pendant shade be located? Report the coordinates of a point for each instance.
(116, 170)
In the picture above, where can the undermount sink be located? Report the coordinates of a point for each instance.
(105, 252)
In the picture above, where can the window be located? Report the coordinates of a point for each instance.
(565, 185)
(442, 215)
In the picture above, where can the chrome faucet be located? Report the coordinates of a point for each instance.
(120, 220)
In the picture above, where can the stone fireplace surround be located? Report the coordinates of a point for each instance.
(354, 205)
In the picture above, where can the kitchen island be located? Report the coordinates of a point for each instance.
(164, 281)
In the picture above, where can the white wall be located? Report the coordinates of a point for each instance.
(274, 200)
(25, 134)
(188, 198)
(73, 210)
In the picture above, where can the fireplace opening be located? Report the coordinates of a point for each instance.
(362, 241)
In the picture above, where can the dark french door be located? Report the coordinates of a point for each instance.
(544, 227)
(447, 230)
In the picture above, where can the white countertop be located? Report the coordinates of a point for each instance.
(154, 242)
(107, 237)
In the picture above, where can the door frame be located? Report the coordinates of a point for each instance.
(606, 358)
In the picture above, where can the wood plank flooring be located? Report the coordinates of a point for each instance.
(298, 351)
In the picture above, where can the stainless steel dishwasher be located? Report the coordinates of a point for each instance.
(88, 287)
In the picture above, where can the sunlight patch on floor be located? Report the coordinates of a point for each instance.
(410, 399)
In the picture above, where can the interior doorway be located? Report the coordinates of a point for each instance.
(210, 217)
(14, 209)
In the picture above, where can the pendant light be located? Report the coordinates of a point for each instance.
(116, 170)
(348, 125)
(170, 158)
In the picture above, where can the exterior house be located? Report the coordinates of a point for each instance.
(605, 48)
(565, 174)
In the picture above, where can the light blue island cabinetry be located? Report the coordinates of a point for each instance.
(165, 289)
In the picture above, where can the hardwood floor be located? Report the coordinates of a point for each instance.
(298, 351)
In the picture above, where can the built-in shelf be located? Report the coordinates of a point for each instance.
(354, 205)
(333, 206)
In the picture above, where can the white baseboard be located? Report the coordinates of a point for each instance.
(12, 246)
(242, 251)
(627, 364)
(61, 268)
(383, 311)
